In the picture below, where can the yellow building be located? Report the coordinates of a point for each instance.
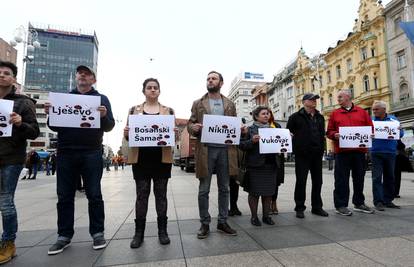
(358, 62)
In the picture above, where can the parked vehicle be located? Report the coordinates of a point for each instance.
(187, 149)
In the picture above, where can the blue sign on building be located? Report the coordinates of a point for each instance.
(253, 76)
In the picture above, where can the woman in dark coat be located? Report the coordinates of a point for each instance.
(261, 168)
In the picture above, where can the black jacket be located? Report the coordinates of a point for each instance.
(299, 124)
(85, 138)
(253, 157)
(13, 149)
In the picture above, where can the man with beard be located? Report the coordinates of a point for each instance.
(213, 157)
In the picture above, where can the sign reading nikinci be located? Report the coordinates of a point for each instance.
(387, 130)
(151, 130)
(221, 130)
(274, 140)
(355, 137)
(76, 111)
(6, 108)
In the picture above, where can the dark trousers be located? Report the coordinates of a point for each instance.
(234, 194)
(143, 189)
(344, 164)
(304, 164)
(397, 184)
(383, 177)
(70, 166)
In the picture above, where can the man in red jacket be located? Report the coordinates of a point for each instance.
(347, 159)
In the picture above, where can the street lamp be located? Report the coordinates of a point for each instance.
(30, 43)
(314, 65)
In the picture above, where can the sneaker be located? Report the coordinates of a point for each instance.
(58, 247)
(226, 229)
(343, 211)
(234, 212)
(320, 212)
(379, 206)
(300, 214)
(392, 206)
(363, 208)
(99, 242)
(204, 231)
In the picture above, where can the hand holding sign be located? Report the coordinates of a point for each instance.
(6, 109)
(274, 140)
(221, 130)
(151, 130)
(387, 130)
(355, 137)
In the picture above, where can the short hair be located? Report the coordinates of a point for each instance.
(150, 80)
(218, 73)
(345, 91)
(257, 110)
(380, 103)
(10, 65)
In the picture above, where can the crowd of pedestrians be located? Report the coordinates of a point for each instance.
(79, 162)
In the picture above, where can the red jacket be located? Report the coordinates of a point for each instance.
(341, 117)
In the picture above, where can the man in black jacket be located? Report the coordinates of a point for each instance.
(307, 127)
(13, 154)
(79, 154)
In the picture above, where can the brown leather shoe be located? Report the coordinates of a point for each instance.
(7, 251)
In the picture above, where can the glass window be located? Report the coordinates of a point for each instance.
(328, 74)
(366, 83)
(372, 52)
(375, 82)
(338, 71)
(397, 28)
(364, 53)
(330, 100)
(401, 62)
(349, 64)
(404, 93)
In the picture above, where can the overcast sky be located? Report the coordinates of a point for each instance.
(187, 39)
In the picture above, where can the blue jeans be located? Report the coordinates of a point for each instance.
(383, 165)
(9, 175)
(344, 163)
(71, 165)
(218, 161)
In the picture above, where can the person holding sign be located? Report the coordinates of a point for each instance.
(383, 153)
(307, 127)
(209, 157)
(261, 168)
(150, 163)
(22, 118)
(79, 154)
(348, 159)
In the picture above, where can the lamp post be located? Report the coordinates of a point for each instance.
(28, 37)
(315, 65)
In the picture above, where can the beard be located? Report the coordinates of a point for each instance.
(214, 89)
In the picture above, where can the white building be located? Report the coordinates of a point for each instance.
(43, 141)
(281, 93)
(240, 92)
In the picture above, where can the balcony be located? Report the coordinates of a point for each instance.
(402, 105)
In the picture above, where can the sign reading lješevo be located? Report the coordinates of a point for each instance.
(221, 130)
(151, 130)
(274, 140)
(355, 137)
(6, 108)
(75, 111)
(387, 130)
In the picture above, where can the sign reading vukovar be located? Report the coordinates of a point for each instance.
(221, 130)
(387, 130)
(253, 76)
(355, 137)
(6, 108)
(76, 111)
(274, 140)
(151, 130)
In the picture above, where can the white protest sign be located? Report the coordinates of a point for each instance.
(355, 137)
(221, 130)
(76, 111)
(387, 130)
(151, 130)
(274, 140)
(6, 108)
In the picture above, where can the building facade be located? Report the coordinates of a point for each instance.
(241, 92)
(401, 65)
(62, 50)
(7, 52)
(281, 93)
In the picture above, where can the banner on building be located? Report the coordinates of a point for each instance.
(6, 108)
(221, 130)
(151, 130)
(274, 140)
(355, 137)
(75, 111)
(387, 130)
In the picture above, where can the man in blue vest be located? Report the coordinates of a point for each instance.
(383, 153)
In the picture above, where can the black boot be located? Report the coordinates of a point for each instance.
(162, 230)
(139, 233)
